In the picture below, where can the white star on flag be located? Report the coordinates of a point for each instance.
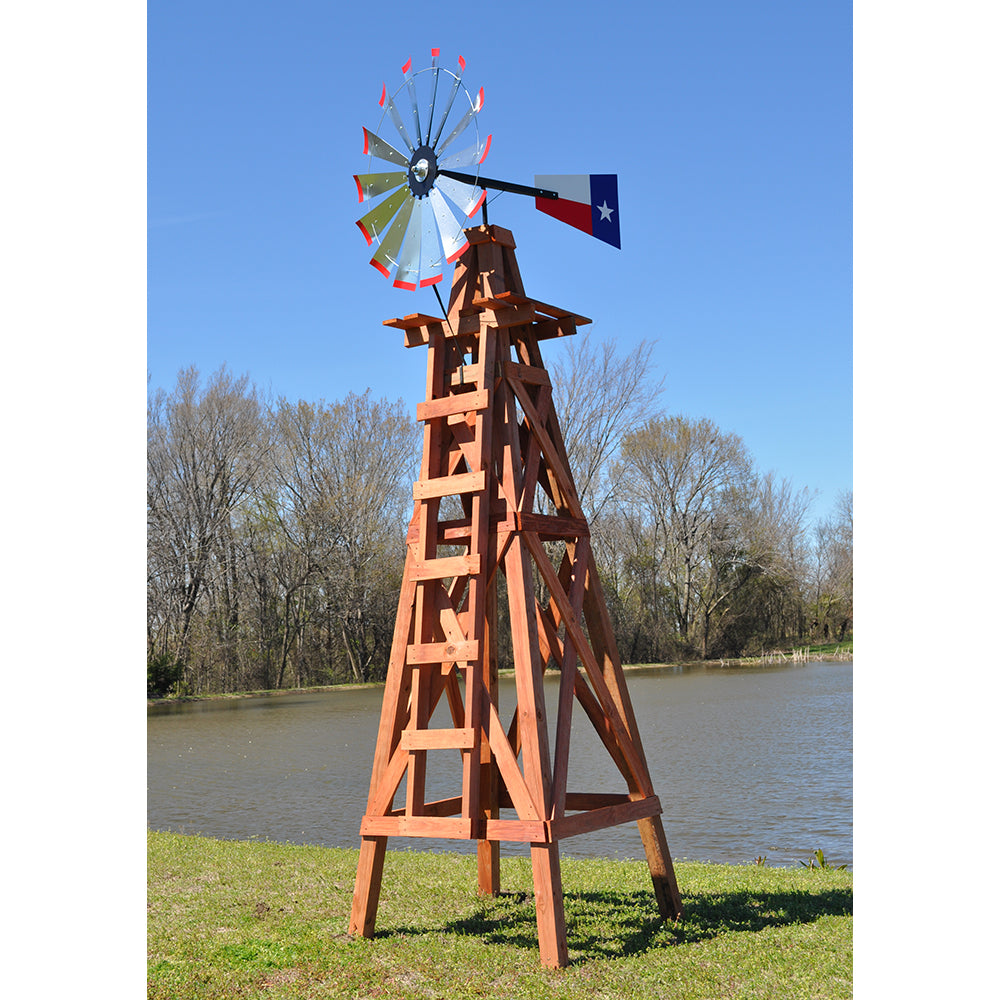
(605, 211)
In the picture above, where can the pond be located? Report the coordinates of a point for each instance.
(746, 761)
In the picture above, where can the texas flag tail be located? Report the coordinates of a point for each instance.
(586, 201)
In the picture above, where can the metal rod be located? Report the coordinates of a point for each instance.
(488, 182)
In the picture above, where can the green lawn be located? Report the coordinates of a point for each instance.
(229, 919)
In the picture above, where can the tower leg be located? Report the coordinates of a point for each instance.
(661, 868)
(549, 906)
(367, 886)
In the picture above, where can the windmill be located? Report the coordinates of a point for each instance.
(492, 443)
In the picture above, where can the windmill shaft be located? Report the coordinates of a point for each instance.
(487, 182)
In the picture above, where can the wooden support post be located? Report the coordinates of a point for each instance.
(491, 437)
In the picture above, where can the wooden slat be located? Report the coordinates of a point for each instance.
(447, 486)
(550, 527)
(576, 801)
(525, 831)
(460, 402)
(444, 807)
(437, 739)
(417, 826)
(443, 568)
(526, 373)
(413, 321)
(443, 652)
(505, 313)
(599, 819)
(550, 329)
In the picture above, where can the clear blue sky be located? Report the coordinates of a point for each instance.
(728, 124)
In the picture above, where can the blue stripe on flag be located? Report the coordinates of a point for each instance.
(604, 208)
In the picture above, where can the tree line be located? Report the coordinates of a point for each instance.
(276, 530)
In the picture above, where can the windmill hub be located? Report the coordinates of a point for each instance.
(423, 170)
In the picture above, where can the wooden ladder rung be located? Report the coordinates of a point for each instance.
(462, 402)
(437, 739)
(447, 486)
(445, 567)
(443, 652)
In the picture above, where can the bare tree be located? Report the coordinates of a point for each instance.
(600, 396)
(347, 470)
(833, 572)
(204, 452)
(686, 477)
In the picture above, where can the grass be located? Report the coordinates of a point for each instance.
(253, 920)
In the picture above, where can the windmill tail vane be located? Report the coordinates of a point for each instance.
(430, 193)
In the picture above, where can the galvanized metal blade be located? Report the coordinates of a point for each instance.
(453, 241)
(380, 148)
(466, 120)
(412, 88)
(408, 272)
(372, 185)
(435, 71)
(390, 106)
(376, 222)
(451, 101)
(387, 255)
(466, 197)
(470, 156)
(431, 256)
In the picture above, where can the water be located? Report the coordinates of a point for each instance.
(746, 762)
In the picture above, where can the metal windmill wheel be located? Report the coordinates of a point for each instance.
(420, 226)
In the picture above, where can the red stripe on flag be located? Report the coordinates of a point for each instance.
(489, 139)
(573, 213)
(435, 53)
(379, 267)
(408, 285)
(406, 68)
(427, 282)
(381, 100)
(357, 181)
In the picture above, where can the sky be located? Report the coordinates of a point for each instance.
(728, 124)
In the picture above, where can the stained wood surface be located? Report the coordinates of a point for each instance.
(492, 443)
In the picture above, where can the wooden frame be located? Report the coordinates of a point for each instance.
(491, 439)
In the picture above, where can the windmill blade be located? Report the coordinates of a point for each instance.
(464, 123)
(435, 71)
(387, 255)
(412, 88)
(408, 272)
(451, 101)
(390, 106)
(453, 241)
(372, 185)
(431, 257)
(380, 148)
(471, 156)
(375, 223)
(467, 197)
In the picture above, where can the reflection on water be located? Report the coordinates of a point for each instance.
(746, 762)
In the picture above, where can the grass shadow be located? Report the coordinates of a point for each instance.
(616, 924)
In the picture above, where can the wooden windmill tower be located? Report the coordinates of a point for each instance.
(492, 443)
